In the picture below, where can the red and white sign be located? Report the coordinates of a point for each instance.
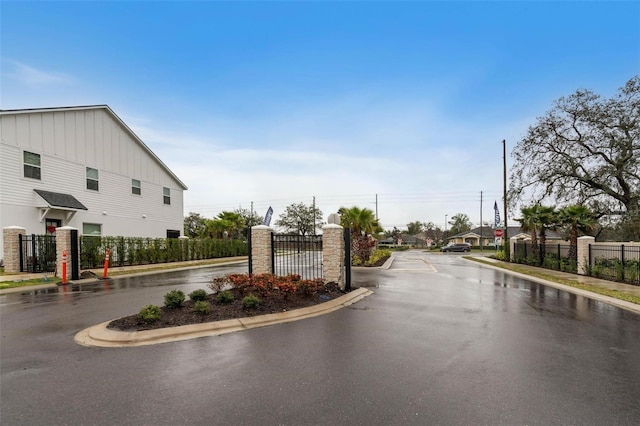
(497, 233)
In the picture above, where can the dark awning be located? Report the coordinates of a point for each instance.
(56, 199)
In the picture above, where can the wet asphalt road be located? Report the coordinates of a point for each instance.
(441, 341)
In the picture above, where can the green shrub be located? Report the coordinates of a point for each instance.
(377, 255)
(250, 302)
(197, 295)
(202, 307)
(501, 255)
(173, 299)
(150, 313)
(224, 297)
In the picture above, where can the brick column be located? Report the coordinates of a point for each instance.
(261, 249)
(333, 254)
(583, 254)
(11, 247)
(63, 243)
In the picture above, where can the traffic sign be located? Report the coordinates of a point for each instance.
(498, 233)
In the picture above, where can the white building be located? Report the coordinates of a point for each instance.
(83, 167)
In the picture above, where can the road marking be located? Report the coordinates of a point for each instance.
(422, 260)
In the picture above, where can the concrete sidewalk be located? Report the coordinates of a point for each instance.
(579, 279)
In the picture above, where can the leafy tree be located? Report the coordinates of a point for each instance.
(250, 218)
(585, 150)
(579, 219)
(360, 221)
(226, 225)
(460, 223)
(433, 232)
(415, 227)
(300, 219)
(194, 225)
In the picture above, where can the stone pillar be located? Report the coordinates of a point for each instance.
(261, 249)
(63, 243)
(583, 254)
(11, 247)
(333, 254)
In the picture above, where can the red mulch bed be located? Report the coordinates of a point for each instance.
(185, 315)
(275, 302)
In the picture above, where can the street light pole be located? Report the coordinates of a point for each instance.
(445, 228)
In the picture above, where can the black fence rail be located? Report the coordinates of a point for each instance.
(297, 254)
(37, 253)
(129, 251)
(549, 255)
(615, 262)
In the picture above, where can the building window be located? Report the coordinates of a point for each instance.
(92, 179)
(92, 229)
(31, 165)
(166, 195)
(135, 187)
(172, 233)
(51, 225)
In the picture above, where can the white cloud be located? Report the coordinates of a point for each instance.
(35, 78)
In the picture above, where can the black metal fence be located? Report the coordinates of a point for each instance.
(549, 255)
(615, 262)
(37, 253)
(297, 254)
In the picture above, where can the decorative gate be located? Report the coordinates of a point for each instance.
(297, 254)
(37, 253)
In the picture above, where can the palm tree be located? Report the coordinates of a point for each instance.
(360, 221)
(537, 219)
(529, 223)
(579, 219)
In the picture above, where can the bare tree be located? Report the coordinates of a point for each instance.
(585, 150)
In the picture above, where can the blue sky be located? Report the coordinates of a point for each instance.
(277, 102)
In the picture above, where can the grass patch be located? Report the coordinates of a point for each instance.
(617, 294)
(27, 283)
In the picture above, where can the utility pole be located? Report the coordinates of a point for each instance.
(313, 212)
(480, 220)
(376, 206)
(445, 229)
(504, 196)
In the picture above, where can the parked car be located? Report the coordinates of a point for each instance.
(456, 247)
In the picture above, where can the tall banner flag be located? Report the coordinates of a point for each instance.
(497, 218)
(267, 217)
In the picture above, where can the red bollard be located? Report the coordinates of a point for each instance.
(64, 267)
(106, 266)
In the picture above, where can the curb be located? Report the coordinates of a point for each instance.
(622, 304)
(100, 336)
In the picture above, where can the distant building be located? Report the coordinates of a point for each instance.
(473, 236)
(84, 167)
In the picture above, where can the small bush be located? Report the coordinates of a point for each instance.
(224, 297)
(501, 255)
(173, 299)
(377, 255)
(202, 307)
(150, 313)
(250, 302)
(197, 295)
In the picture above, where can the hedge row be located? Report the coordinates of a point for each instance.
(127, 251)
